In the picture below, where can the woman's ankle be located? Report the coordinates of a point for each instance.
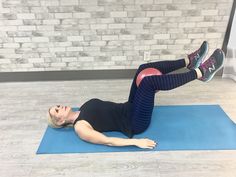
(186, 61)
(199, 73)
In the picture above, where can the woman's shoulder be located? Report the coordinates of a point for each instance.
(92, 100)
(80, 124)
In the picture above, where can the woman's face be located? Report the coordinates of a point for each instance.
(60, 112)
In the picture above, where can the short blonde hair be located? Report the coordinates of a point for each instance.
(52, 121)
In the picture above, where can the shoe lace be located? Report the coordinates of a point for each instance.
(195, 55)
(209, 63)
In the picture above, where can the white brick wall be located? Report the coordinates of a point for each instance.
(43, 35)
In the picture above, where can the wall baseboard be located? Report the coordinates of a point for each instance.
(66, 75)
(71, 75)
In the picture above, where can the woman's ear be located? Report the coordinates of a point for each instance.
(60, 121)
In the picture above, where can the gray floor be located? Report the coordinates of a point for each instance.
(22, 125)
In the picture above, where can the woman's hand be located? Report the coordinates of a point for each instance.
(145, 143)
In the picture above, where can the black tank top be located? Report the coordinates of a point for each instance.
(107, 116)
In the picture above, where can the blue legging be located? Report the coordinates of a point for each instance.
(142, 97)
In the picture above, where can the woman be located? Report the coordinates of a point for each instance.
(133, 117)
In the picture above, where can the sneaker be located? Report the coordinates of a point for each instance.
(196, 58)
(213, 64)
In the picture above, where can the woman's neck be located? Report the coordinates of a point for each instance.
(72, 116)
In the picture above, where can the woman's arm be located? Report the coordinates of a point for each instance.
(88, 134)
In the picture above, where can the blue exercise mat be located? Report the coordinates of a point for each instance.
(192, 127)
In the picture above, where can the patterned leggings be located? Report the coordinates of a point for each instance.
(142, 97)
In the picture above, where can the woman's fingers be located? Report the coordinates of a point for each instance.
(147, 143)
(151, 144)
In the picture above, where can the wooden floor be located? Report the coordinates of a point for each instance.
(23, 108)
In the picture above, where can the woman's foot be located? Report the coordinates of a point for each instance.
(196, 58)
(213, 64)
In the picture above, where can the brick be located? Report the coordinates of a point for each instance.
(163, 1)
(209, 12)
(155, 13)
(100, 14)
(95, 8)
(183, 1)
(162, 36)
(74, 49)
(213, 35)
(23, 66)
(172, 47)
(154, 47)
(8, 28)
(58, 64)
(75, 38)
(88, 32)
(205, 24)
(136, 26)
(176, 30)
(35, 60)
(51, 22)
(174, 13)
(45, 55)
(22, 39)
(118, 14)
(131, 53)
(110, 37)
(5, 61)
(40, 39)
(88, 49)
(11, 45)
(187, 25)
(45, 28)
(141, 20)
(92, 38)
(138, 14)
(69, 2)
(148, 42)
(27, 28)
(7, 51)
(127, 37)
(14, 56)
(12, 22)
(139, 31)
(118, 58)
(86, 58)
(142, 47)
(25, 16)
(81, 15)
(88, 2)
(40, 49)
(63, 15)
(69, 59)
(98, 43)
(166, 57)
(5, 10)
(99, 26)
(57, 49)
(195, 36)
(194, 19)
(62, 44)
(49, 3)
(183, 41)
(143, 1)
(105, 20)
(116, 26)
